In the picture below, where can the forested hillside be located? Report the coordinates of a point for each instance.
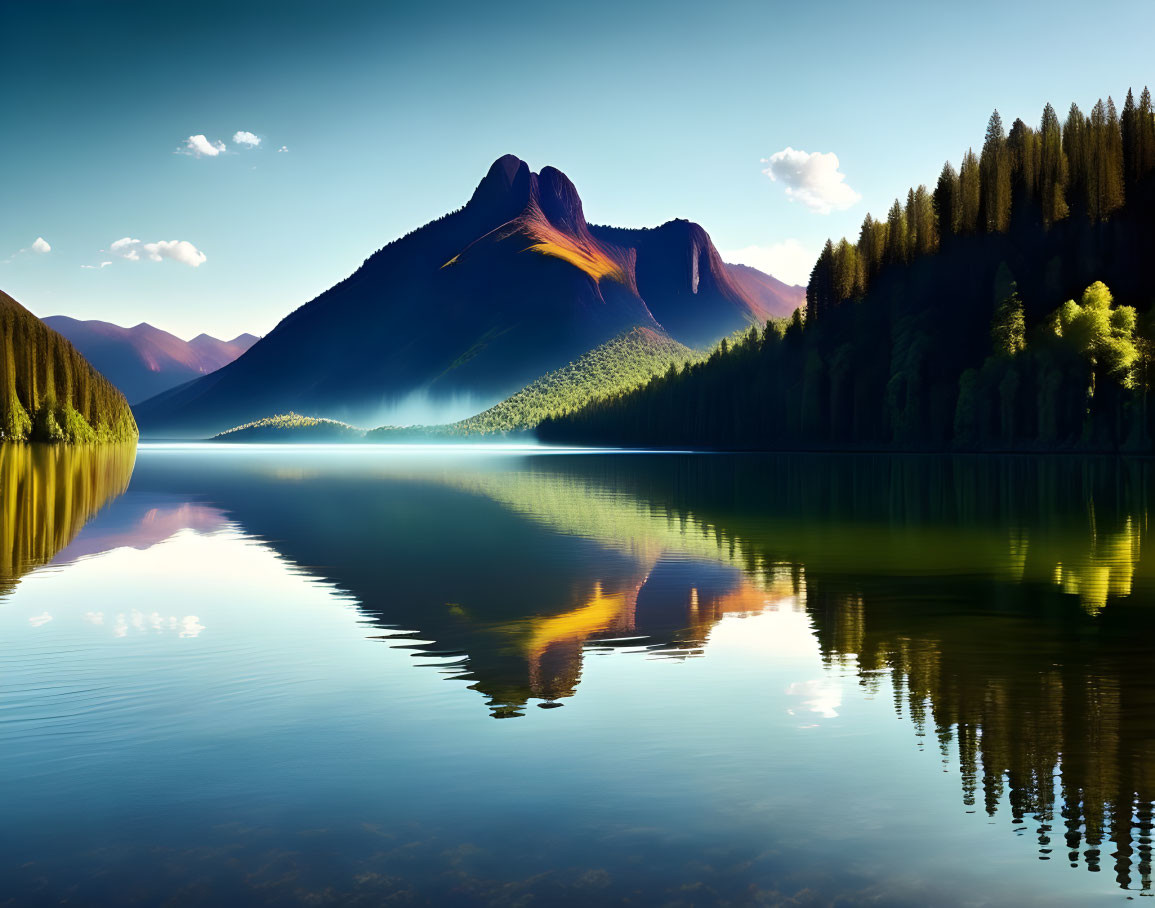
(1007, 308)
(621, 364)
(291, 427)
(48, 391)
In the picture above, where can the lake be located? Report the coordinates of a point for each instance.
(367, 675)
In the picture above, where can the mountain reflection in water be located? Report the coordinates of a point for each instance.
(1006, 603)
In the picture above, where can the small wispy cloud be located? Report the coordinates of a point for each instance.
(283, 148)
(248, 139)
(97, 267)
(134, 250)
(38, 246)
(811, 178)
(199, 146)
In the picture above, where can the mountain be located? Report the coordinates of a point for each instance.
(48, 391)
(463, 312)
(778, 298)
(143, 361)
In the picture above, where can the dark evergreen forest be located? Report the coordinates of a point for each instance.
(1008, 308)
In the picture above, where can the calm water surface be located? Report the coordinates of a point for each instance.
(301, 676)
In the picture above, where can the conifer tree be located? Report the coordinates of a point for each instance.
(820, 289)
(1052, 168)
(946, 201)
(995, 179)
(925, 232)
(1103, 163)
(1075, 135)
(969, 193)
(896, 235)
(1145, 135)
(1023, 151)
(1128, 124)
(871, 246)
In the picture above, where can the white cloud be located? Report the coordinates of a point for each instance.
(249, 139)
(101, 265)
(190, 626)
(823, 696)
(201, 147)
(39, 246)
(789, 261)
(177, 250)
(40, 620)
(812, 179)
(282, 148)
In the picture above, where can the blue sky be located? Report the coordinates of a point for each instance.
(391, 113)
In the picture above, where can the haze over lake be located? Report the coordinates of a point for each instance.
(294, 675)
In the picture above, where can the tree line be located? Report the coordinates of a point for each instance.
(1009, 308)
(48, 391)
(1082, 168)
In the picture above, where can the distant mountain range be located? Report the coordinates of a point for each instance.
(143, 361)
(470, 308)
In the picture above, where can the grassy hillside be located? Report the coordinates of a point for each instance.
(619, 365)
(289, 427)
(48, 391)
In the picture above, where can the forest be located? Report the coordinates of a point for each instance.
(620, 364)
(48, 391)
(1009, 308)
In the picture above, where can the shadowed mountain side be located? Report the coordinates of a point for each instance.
(686, 284)
(47, 493)
(464, 311)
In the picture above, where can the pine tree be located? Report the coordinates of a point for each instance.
(820, 289)
(969, 193)
(870, 249)
(995, 179)
(896, 236)
(1103, 163)
(926, 238)
(1075, 135)
(1128, 124)
(1145, 135)
(1052, 168)
(946, 201)
(1023, 151)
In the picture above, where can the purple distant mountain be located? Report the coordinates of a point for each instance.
(470, 308)
(142, 361)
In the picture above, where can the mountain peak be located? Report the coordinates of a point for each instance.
(559, 200)
(505, 185)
